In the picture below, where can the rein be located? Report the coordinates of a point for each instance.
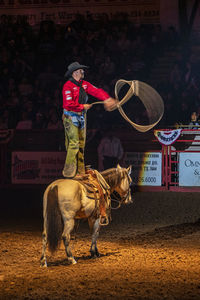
(121, 196)
(119, 203)
(120, 200)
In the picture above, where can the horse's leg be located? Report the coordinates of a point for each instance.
(43, 259)
(76, 225)
(95, 226)
(68, 227)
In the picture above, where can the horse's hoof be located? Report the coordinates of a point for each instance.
(72, 261)
(43, 265)
(95, 255)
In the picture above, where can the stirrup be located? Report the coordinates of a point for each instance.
(104, 220)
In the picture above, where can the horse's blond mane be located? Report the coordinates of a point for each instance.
(114, 176)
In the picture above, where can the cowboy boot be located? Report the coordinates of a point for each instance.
(69, 170)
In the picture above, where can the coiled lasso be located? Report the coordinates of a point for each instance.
(150, 98)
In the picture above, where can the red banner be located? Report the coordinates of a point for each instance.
(37, 167)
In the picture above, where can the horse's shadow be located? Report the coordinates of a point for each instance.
(65, 262)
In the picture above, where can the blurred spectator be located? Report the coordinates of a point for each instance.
(123, 42)
(57, 99)
(96, 117)
(188, 73)
(25, 87)
(30, 109)
(21, 69)
(54, 121)
(31, 63)
(25, 122)
(3, 124)
(107, 68)
(194, 124)
(8, 118)
(48, 80)
(184, 113)
(176, 75)
(110, 151)
(39, 121)
(172, 37)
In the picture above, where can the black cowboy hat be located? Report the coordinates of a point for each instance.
(73, 67)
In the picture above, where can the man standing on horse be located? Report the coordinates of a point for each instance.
(75, 107)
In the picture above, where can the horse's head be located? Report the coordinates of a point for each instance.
(123, 188)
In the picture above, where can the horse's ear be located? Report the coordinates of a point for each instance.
(129, 169)
(118, 166)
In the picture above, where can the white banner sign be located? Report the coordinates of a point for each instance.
(37, 167)
(189, 169)
(146, 167)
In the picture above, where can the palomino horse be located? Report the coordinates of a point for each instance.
(66, 200)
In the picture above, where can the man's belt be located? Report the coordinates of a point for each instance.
(73, 113)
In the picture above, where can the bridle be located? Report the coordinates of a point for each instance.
(121, 196)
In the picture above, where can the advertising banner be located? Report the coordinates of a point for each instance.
(65, 11)
(146, 167)
(37, 167)
(189, 169)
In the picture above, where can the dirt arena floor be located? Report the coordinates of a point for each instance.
(150, 250)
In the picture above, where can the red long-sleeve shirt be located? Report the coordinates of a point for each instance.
(70, 94)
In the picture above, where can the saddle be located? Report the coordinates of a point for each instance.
(97, 189)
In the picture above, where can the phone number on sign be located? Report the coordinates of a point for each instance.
(144, 179)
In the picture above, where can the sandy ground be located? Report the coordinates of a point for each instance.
(150, 250)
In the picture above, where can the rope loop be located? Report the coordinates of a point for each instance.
(150, 98)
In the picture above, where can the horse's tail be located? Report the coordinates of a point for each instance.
(54, 222)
